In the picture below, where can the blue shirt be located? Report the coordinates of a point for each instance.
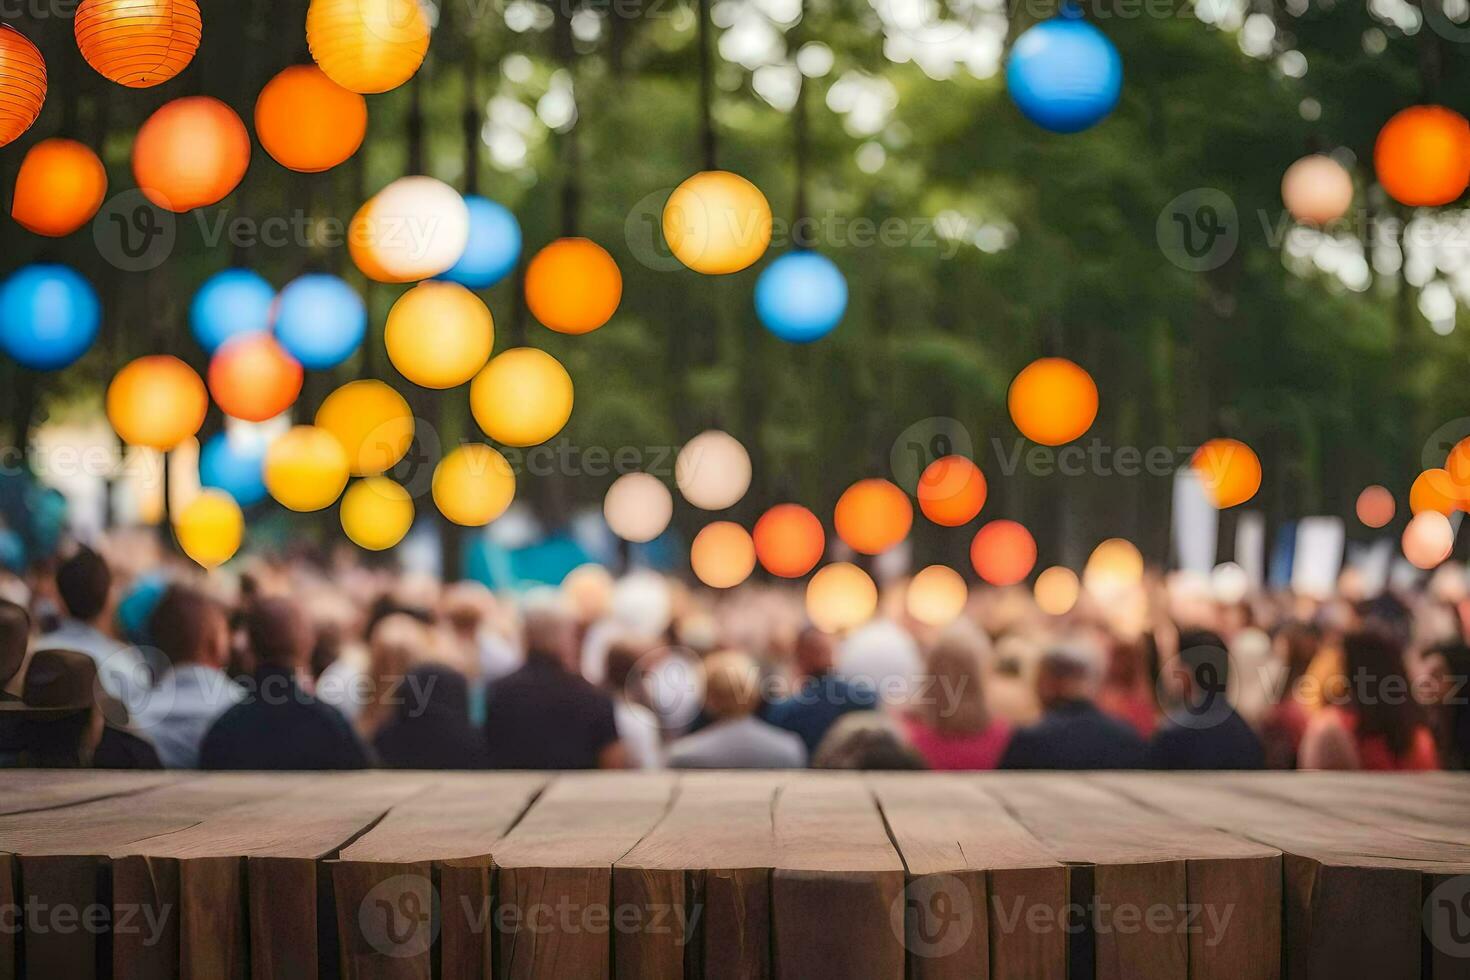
(816, 706)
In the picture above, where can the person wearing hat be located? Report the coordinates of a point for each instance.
(1073, 733)
(66, 720)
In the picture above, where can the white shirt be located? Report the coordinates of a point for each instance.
(120, 668)
(638, 731)
(742, 743)
(180, 709)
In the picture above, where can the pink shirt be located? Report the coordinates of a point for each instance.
(980, 750)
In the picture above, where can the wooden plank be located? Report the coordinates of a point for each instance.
(33, 790)
(698, 885)
(553, 912)
(983, 897)
(436, 846)
(836, 885)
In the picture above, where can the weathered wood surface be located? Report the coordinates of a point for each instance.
(748, 876)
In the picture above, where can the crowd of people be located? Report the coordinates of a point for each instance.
(106, 662)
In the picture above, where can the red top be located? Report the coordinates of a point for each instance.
(1374, 753)
(980, 750)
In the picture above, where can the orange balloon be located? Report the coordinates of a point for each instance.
(252, 377)
(59, 188)
(156, 401)
(872, 516)
(191, 153)
(789, 540)
(138, 43)
(722, 555)
(573, 286)
(1053, 401)
(1003, 552)
(1423, 156)
(1457, 466)
(951, 491)
(23, 82)
(1376, 506)
(307, 122)
(1434, 490)
(1229, 470)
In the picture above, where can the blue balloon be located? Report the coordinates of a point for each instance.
(230, 303)
(801, 297)
(320, 320)
(49, 316)
(236, 465)
(494, 245)
(1064, 74)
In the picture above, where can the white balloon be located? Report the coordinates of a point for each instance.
(713, 470)
(638, 507)
(415, 228)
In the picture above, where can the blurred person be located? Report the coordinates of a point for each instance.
(638, 727)
(1127, 691)
(1376, 724)
(396, 643)
(1010, 685)
(949, 724)
(1072, 732)
(1294, 648)
(543, 715)
(66, 720)
(735, 738)
(1255, 675)
(430, 727)
(15, 642)
(821, 696)
(1449, 702)
(866, 741)
(485, 655)
(85, 587)
(1204, 731)
(882, 656)
(281, 724)
(193, 633)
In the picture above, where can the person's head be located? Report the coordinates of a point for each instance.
(732, 682)
(1203, 668)
(865, 740)
(84, 583)
(1377, 690)
(279, 634)
(62, 690)
(1297, 644)
(15, 636)
(1067, 672)
(953, 699)
(190, 628)
(551, 635)
(815, 652)
(464, 606)
(395, 643)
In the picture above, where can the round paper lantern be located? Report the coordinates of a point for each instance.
(573, 286)
(789, 540)
(320, 321)
(372, 422)
(306, 468)
(191, 153)
(138, 43)
(235, 463)
(1457, 467)
(1114, 568)
(307, 122)
(368, 46)
(1052, 401)
(1317, 190)
(253, 378)
(49, 316)
(872, 516)
(1229, 471)
(1428, 539)
(951, 491)
(1376, 506)
(1064, 74)
(722, 555)
(638, 507)
(376, 513)
(210, 528)
(59, 188)
(712, 471)
(439, 334)
(23, 80)
(415, 228)
(229, 304)
(1003, 553)
(840, 597)
(801, 297)
(473, 485)
(717, 222)
(493, 248)
(1056, 590)
(522, 398)
(156, 401)
(936, 596)
(1434, 489)
(1422, 156)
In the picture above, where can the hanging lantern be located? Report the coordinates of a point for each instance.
(307, 122)
(801, 297)
(376, 513)
(1114, 568)
(493, 248)
(372, 422)
(305, 469)
(840, 597)
(1003, 552)
(936, 596)
(1434, 489)
(638, 507)
(1428, 539)
(60, 186)
(210, 528)
(573, 286)
(872, 516)
(722, 555)
(230, 304)
(1064, 74)
(952, 490)
(1229, 470)
(1317, 190)
(473, 485)
(523, 397)
(414, 229)
(789, 540)
(253, 378)
(712, 471)
(138, 43)
(1052, 401)
(191, 153)
(439, 334)
(235, 463)
(1057, 590)
(49, 316)
(23, 82)
(156, 401)
(320, 320)
(1422, 156)
(717, 223)
(1375, 506)
(368, 46)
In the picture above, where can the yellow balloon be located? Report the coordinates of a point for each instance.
(368, 46)
(306, 469)
(156, 401)
(840, 597)
(439, 334)
(717, 222)
(210, 528)
(473, 485)
(523, 397)
(372, 422)
(376, 513)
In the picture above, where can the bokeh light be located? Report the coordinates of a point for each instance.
(840, 597)
(1422, 156)
(1317, 190)
(307, 122)
(376, 513)
(1434, 489)
(717, 222)
(60, 186)
(1056, 590)
(415, 228)
(1428, 539)
(320, 320)
(801, 297)
(473, 485)
(252, 377)
(523, 397)
(156, 401)
(952, 491)
(1064, 74)
(1052, 401)
(191, 153)
(49, 316)
(493, 247)
(138, 43)
(789, 540)
(373, 423)
(1228, 470)
(1375, 506)
(23, 79)
(1114, 568)
(722, 555)
(1003, 552)
(210, 528)
(306, 469)
(368, 46)
(229, 304)
(235, 463)
(439, 334)
(638, 507)
(872, 516)
(936, 595)
(712, 470)
(573, 286)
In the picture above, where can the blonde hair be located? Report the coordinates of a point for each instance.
(731, 685)
(953, 697)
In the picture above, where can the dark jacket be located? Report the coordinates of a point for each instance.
(545, 717)
(1224, 743)
(1075, 735)
(280, 726)
(431, 727)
